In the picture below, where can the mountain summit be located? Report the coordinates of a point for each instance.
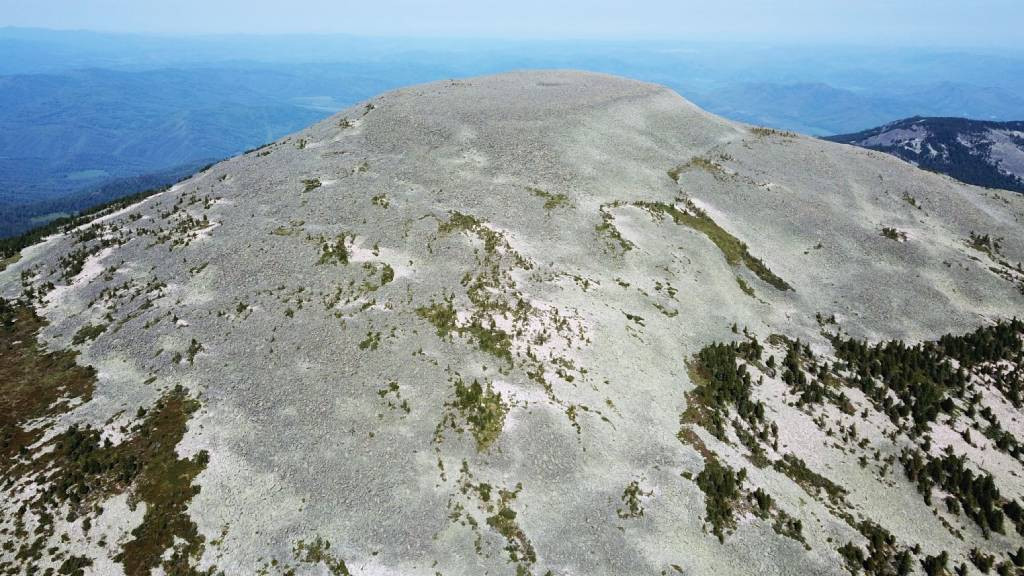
(537, 323)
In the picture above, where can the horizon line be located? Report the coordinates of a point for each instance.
(525, 39)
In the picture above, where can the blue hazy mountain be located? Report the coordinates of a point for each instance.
(75, 135)
(820, 109)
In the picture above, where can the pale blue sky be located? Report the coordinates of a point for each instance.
(914, 22)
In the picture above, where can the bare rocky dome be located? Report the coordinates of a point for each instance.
(458, 330)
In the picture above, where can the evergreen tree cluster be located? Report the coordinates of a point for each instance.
(923, 378)
(883, 556)
(721, 487)
(797, 364)
(1000, 341)
(973, 493)
(724, 382)
(920, 376)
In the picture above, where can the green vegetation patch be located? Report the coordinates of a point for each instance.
(985, 243)
(482, 409)
(883, 556)
(821, 385)
(551, 201)
(335, 252)
(319, 552)
(721, 487)
(698, 163)
(293, 227)
(73, 262)
(88, 332)
(489, 338)
(310, 184)
(489, 287)
(442, 315)
(78, 468)
(973, 494)
(392, 395)
(164, 483)
(722, 383)
(459, 222)
(194, 348)
(764, 132)
(812, 482)
(732, 248)
(608, 229)
(316, 552)
(746, 288)
(894, 234)
(921, 376)
(783, 524)
(387, 274)
(504, 522)
(632, 499)
(371, 342)
(34, 383)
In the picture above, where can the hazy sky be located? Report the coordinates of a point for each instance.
(928, 22)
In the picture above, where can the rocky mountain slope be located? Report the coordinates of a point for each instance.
(536, 323)
(989, 154)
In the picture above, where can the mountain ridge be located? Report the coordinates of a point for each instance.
(477, 326)
(980, 152)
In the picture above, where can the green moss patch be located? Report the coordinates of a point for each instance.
(632, 500)
(442, 315)
(504, 522)
(608, 230)
(734, 251)
(697, 163)
(335, 252)
(812, 482)
(483, 409)
(319, 552)
(551, 201)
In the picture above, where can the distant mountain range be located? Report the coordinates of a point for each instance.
(821, 109)
(69, 138)
(989, 154)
